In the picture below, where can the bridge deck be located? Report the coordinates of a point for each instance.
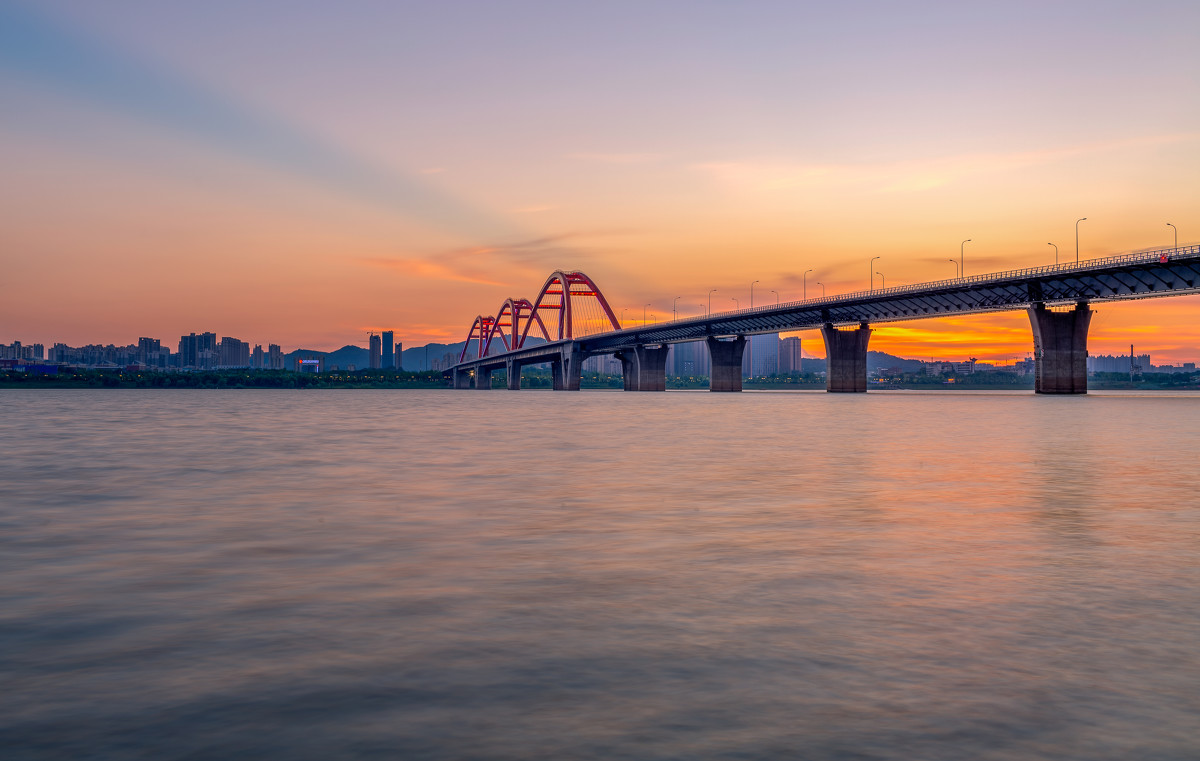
(1145, 274)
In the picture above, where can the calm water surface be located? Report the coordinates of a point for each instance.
(538, 575)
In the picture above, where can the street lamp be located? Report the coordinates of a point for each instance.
(1176, 229)
(1055, 253)
(752, 294)
(776, 297)
(644, 315)
(710, 293)
(623, 310)
(804, 278)
(957, 272)
(674, 316)
(736, 306)
(882, 282)
(871, 269)
(822, 289)
(1081, 219)
(962, 268)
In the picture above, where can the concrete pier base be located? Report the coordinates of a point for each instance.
(462, 379)
(568, 369)
(726, 356)
(513, 369)
(483, 379)
(1060, 349)
(644, 368)
(846, 358)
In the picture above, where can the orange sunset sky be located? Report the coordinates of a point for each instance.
(301, 173)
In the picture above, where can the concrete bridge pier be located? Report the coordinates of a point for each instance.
(644, 368)
(726, 356)
(462, 379)
(1060, 349)
(846, 358)
(513, 369)
(567, 370)
(483, 379)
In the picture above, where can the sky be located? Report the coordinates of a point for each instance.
(302, 173)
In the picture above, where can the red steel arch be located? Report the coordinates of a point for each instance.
(563, 281)
(519, 315)
(479, 331)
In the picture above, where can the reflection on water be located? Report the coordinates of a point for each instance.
(538, 575)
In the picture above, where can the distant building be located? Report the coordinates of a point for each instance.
(399, 349)
(376, 351)
(790, 356)
(1105, 363)
(274, 357)
(258, 357)
(388, 356)
(308, 364)
(234, 353)
(761, 356)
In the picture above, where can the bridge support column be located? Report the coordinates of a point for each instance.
(726, 356)
(568, 368)
(483, 379)
(846, 358)
(462, 379)
(1060, 349)
(514, 375)
(644, 368)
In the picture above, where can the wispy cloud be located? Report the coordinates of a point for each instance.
(618, 158)
(533, 209)
(904, 176)
(76, 65)
(521, 264)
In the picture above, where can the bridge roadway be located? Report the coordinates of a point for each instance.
(1060, 337)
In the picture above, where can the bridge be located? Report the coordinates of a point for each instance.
(1056, 298)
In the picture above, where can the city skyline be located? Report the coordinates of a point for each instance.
(309, 188)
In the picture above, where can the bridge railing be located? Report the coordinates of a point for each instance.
(1145, 256)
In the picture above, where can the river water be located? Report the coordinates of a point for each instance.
(538, 575)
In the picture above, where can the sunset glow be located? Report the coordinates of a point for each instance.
(308, 173)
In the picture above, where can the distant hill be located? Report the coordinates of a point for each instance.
(878, 360)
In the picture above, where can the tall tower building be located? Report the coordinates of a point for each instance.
(789, 355)
(274, 357)
(399, 359)
(389, 358)
(376, 352)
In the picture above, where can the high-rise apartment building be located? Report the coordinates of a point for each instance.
(234, 353)
(789, 356)
(376, 352)
(761, 356)
(257, 357)
(389, 358)
(274, 357)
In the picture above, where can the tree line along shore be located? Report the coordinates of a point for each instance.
(530, 378)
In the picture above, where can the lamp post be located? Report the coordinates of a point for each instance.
(736, 305)
(957, 272)
(1176, 229)
(752, 294)
(710, 293)
(776, 297)
(1055, 253)
(674, 314)
(804, 279)
(962, 267)
(822, 288)
(623, 310)
(644, 315)
(882, 281)
(871, 270)
(1081, 219)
